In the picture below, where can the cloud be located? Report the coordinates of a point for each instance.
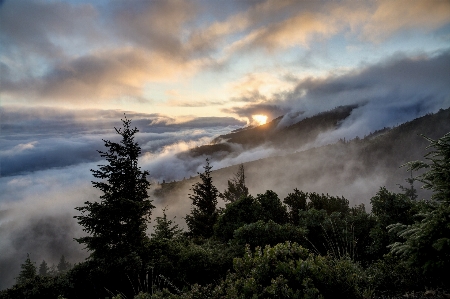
(155, 25)
(299, 24)
(40, 27)
(391, 17)
(297, 31)
(37, 217)
(271, 110)
(258, 87)
(81, 53)
(392, 91)
(100, 76)
(41, 138)
(184, 103)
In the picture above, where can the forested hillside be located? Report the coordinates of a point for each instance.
(274, 134)
(353, 168)
(294, 239)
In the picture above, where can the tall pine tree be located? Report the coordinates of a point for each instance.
(204, 201)
(43, 269)
(117, 223)
(28, 271)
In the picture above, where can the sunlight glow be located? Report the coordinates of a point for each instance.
(260, 119)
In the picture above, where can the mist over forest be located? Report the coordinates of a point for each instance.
(34, 219)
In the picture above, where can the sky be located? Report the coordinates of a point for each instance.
(187, 59)
(186, 72)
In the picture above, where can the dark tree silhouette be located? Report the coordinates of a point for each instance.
(410, 191)
(117, 224)
(63, 265)
(166, 229)
(28, 271)
(44, 269)
(204, 201)
(236, 187)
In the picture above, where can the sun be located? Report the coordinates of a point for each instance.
(260, 119)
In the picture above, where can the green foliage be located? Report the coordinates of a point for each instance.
(426, 243)
(238, 213)
(338, 235)
(296, 201)
(265, 207)
(290, 271)
(358, 225)
(117, 224)
(410, 191)
(437, 176)
(328, 203)
(388, 208)
(236, 187)
(262, 233)
(166, 229)
(39, 287)
(28, 271)
(183, 262)
(44, 269)
(204, 201)
(63, 265)
(392, 276)
(271, 208)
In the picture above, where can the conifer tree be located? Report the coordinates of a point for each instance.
(63, 266)
(437, 175)
(28, 271)
(204, 201)
(236, 187)
(410, 192)
(117, 223)
(165, 228)
(44, 269)
(426, 242)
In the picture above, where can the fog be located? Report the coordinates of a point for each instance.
(46, 154)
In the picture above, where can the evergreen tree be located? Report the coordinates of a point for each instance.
(28, 271)
(437, 176)
(204, 201)
(296, 201)
(117, 224)
(44, 269)
(236, 187)
(426, 243)
(166, 229)
(410, 192)
(63, 265)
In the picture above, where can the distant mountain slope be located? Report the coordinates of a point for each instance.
(293, 136)
(355, 169)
